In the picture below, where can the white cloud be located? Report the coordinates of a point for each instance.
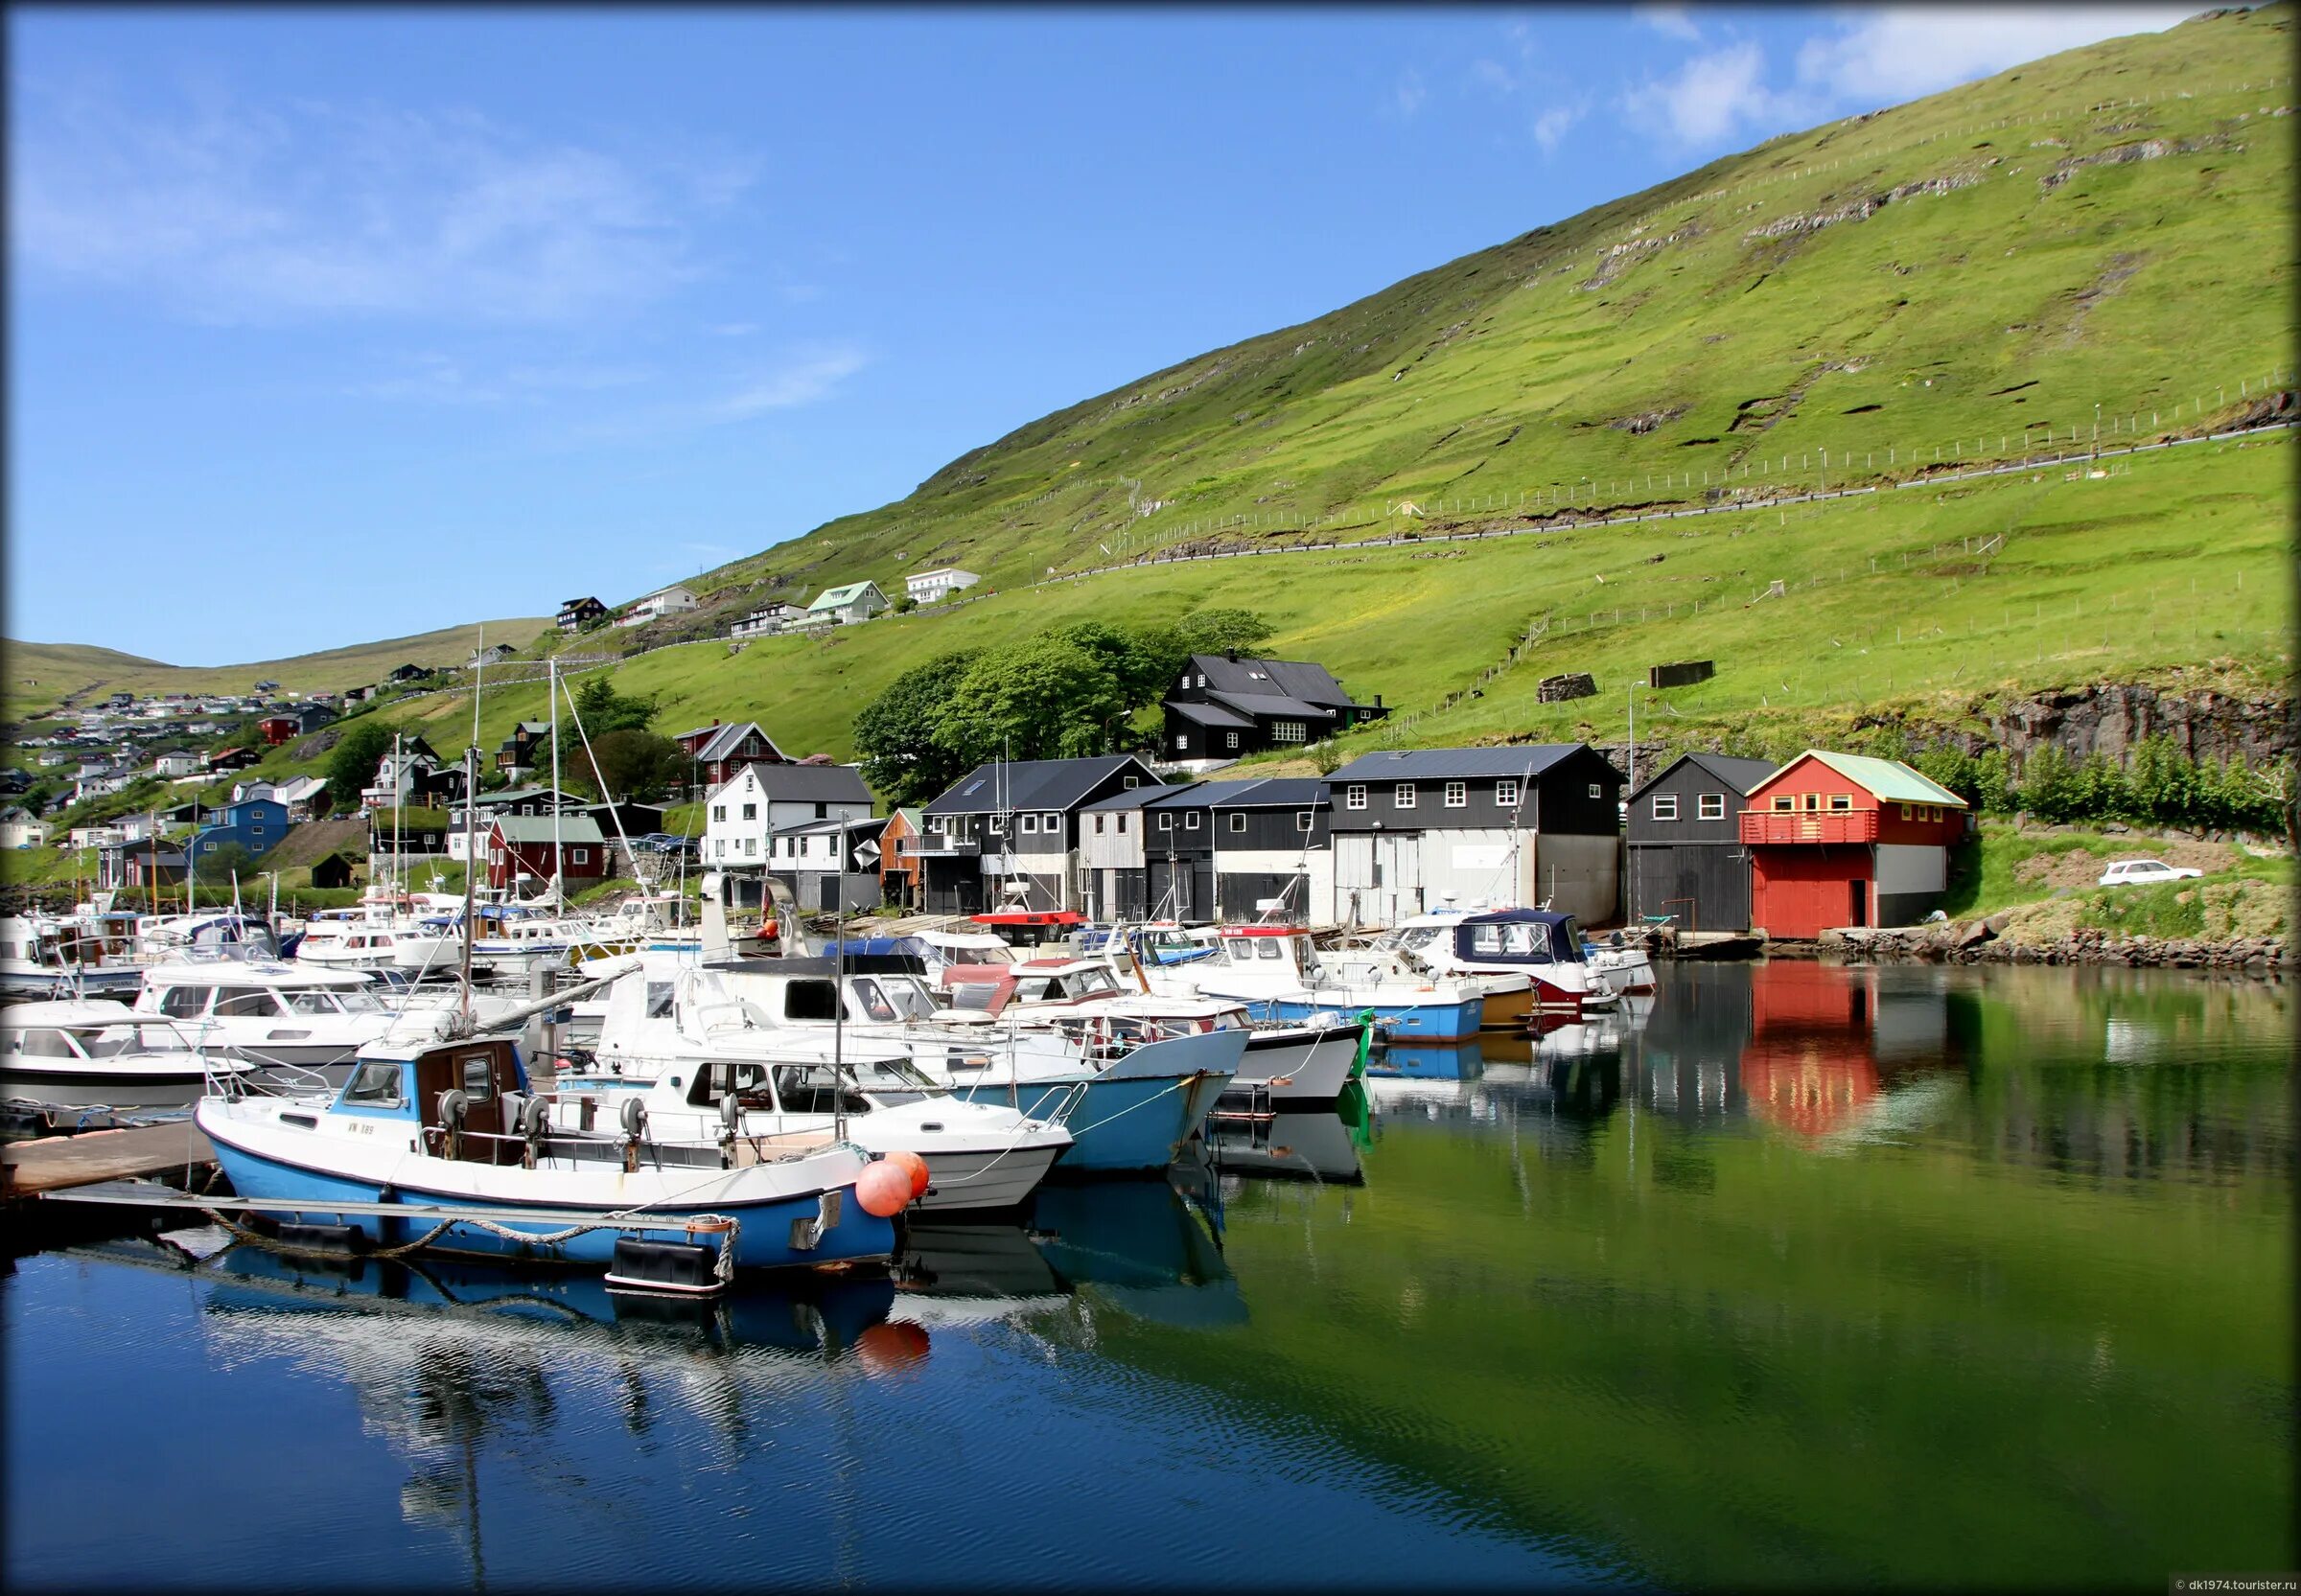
(234, 212)
(1410, 94)
(1551, 126)
(1890, 54)
(1669, 21)
(1493, 75)
(801, 381)
(432, 378)
(1715, 95)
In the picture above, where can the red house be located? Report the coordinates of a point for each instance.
(519, 846)
(1840, 840)
(717, 752)
(277, 729)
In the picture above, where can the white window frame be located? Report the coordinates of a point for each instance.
(1401, 795)
(1354, 796)
(1166, 822)
(579, 856)
(1029, 825)
(1190, 820)
(1840, 803)
(1709, 806)
(1237, 820)
(1656, 806)
(1505, 792)
(1305, 819)
(1457, 795)
(1596, 790)
(1051, 823)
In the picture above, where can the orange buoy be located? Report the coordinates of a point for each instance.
(883, 1188)
(905, 1159)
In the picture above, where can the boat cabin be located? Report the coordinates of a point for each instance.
(417, 1091)
(1030, 928)
(35, 1031)
(227, 989)
(1515, 938)
(1039, 982)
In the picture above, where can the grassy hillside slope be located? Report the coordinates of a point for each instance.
(2179, 560)
(42, 675)
(1954, 275)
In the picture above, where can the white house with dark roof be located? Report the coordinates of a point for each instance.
(856, 601)
(767, 621)
(744, 814)
(1509, 826)
(1224, 707)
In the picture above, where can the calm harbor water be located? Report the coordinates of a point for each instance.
(1806, 1275)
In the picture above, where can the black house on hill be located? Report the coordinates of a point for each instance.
(1687, 857)
(1224, 707)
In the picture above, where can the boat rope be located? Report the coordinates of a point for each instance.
(1180, 1083)
(724, 1267)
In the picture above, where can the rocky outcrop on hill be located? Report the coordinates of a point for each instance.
(1979, 941)
(2111, 718)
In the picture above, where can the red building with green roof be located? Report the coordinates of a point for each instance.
(1842, 840)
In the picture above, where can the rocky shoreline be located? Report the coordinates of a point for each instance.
(1979, 942)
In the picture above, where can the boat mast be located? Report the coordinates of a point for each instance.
(471, 778)
(397, 863)
(838, 984)
(559, 902)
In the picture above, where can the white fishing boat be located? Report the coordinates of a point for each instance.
(86, 1054)
(699, 1061)
(1537, 944)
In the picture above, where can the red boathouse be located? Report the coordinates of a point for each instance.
(1842, 840)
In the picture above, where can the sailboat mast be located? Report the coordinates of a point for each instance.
(398, 867)
(558, 855)
(471, 778)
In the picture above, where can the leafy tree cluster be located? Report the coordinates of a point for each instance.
(1063, 694)
(625, 762)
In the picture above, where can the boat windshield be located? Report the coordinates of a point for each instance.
(1526, 941)
(891, 998)
(375, 1085)
(115, 1040)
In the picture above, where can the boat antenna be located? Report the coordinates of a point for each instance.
(607, 798)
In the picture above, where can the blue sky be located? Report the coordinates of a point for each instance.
(338, 324)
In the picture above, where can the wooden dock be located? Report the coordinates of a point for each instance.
(58, 1163)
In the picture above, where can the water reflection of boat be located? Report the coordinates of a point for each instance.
(1140, 1248)
(1426, 1074)
(1299, 1147)
(950, 1275)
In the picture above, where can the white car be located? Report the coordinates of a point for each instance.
(2126, 872)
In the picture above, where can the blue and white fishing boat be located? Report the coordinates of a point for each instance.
(448, 1132)
(1279, 976)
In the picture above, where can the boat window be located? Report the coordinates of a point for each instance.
(1097, 984)
(184, 1001)
(311, 1003)
(118, 1040)
(478, 1076)
(875, 1001)
(46, 1044)
(910, 997)
(974, 997)
(375, 1086)
(1242, 952)
(659, 998)
(244, 1002)
(1032, 990)
(811, 1000)
(359, 1003)
(1267, 947)
(1486, 941)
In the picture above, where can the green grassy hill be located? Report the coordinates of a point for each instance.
(1953, 278)
(43, 675)
(1955, 275)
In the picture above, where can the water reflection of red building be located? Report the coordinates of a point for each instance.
(1811, 1064)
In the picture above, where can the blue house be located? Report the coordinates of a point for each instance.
(256, 824)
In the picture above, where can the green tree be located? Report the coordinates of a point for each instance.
(2100, 792)
(1054, 698)
(628, 765)
(1952, 768)
(353, 761)
(2049, 785)
(1993, 786)
(603, 709)
(896, 732)
(2167, 786)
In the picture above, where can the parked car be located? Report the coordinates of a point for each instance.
(2126, 872)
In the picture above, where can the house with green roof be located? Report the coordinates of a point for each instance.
(1842, 840)
(856, 601)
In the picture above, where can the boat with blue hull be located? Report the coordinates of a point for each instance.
(443, 1132)
(1281, 978)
